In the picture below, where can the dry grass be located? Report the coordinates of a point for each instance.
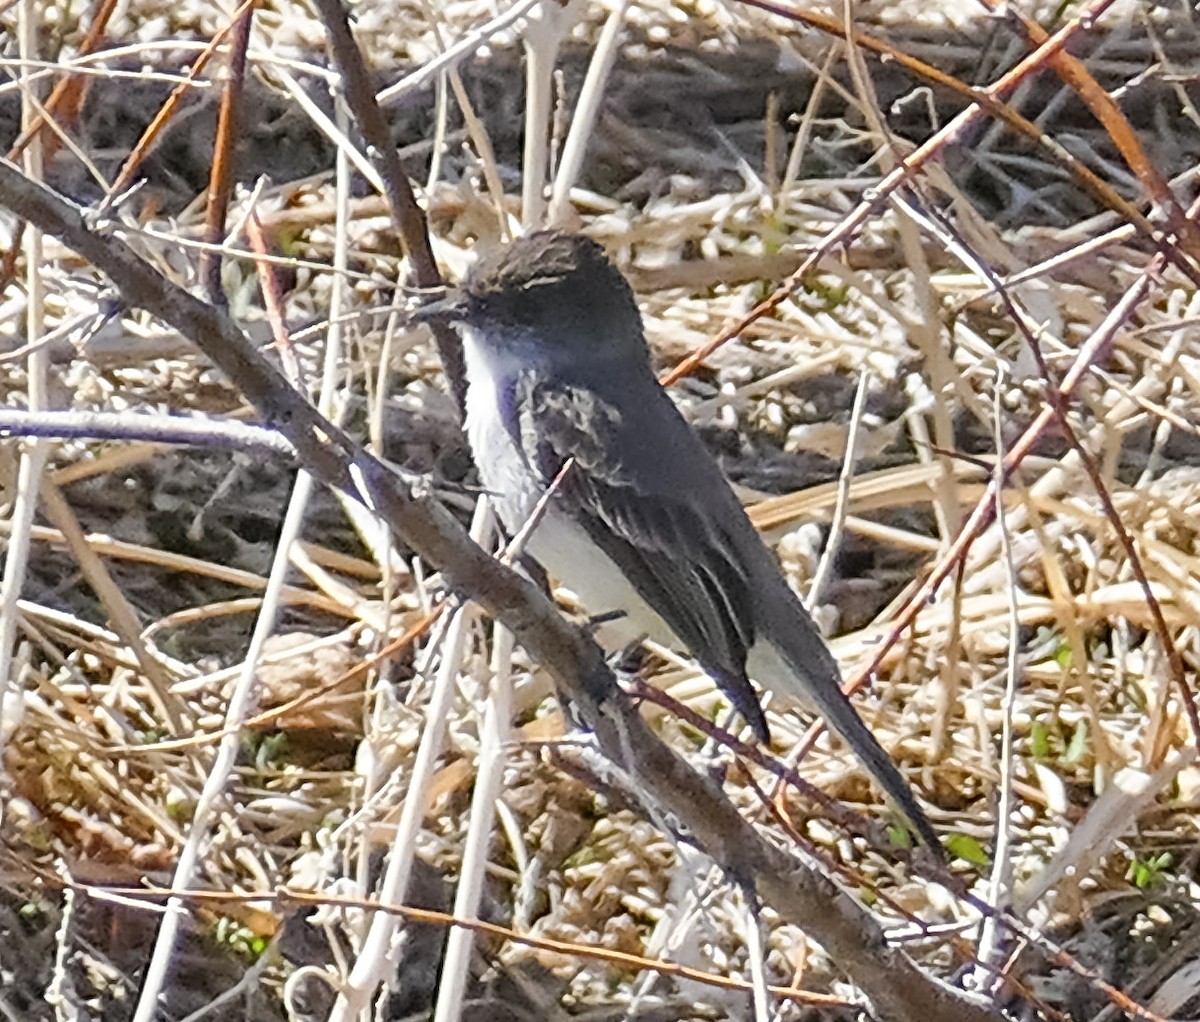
(1042, 674)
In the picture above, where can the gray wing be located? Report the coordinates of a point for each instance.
(638, 506)
(627, 489)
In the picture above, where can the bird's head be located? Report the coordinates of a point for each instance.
(547, 295)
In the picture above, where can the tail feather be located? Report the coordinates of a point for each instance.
(817, 685)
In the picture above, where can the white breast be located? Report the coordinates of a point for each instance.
(561, 546)
(502, 468)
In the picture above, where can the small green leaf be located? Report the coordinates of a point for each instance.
(1062, 655)
(1142, 873)
(1078, 745)
(963, 846)
(272, 749)
(1039, 739)
(899, 835)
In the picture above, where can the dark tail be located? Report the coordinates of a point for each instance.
(817, 683)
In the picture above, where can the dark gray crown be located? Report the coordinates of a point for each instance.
(552, 280)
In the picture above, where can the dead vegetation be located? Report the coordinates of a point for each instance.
(961, 395)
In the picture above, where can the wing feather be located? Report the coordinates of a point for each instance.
(676, 559)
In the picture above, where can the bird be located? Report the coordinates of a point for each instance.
(643, 523)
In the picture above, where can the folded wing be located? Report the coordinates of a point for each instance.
(678, 561)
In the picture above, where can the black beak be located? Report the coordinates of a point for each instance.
(448, 308)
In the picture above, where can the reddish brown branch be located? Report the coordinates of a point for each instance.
(408, 217)
(1105, 109)
(163, 117)
(221, 175)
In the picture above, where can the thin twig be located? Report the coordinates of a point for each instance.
(407, 215)
(144, 427)
(1000, 880)
(376, 959)
(584, 119)
(841, 507)
(489, 786)
(32, 462)
(221, 174)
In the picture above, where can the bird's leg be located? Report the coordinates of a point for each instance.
(711, 757)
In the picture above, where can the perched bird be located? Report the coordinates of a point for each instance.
(644, 522)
